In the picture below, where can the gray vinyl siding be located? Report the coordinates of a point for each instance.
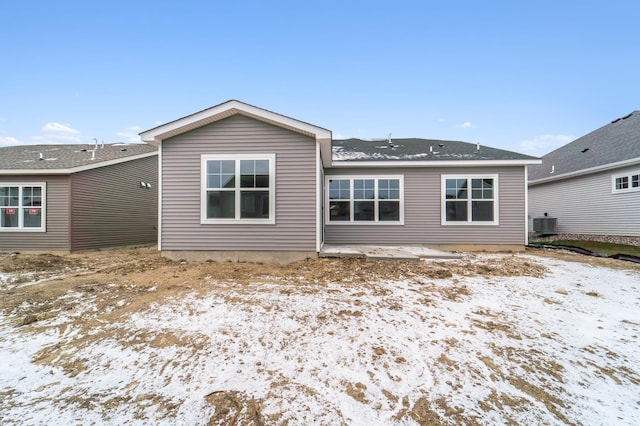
(295, 227)
(586, 205)
(110, 208)
(422, 207)
(56, 235)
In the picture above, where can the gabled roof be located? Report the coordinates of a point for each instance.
(227, 109)
(421, 152)
(66, 159)
(614, 145)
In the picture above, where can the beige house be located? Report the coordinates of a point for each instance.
(240, 182)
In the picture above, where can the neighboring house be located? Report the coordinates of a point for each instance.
(240, 182)
(592, 185)
(76, 197)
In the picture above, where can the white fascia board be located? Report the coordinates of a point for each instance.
(75, 169)
(464, 163)
(227, 109)
(603, 168)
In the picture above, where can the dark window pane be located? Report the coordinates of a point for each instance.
(247, 181)
(228, 181)
(456, 211)
(32, 218)
(9, 217)
(254, 205)
(339, 211)
(262, 181)
(221, 204)
(389, 211)
(635, 181)
(482, 211)
(363, 210)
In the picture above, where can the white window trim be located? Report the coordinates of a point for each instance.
(469, 222)
(628, 175)
(375, 222)
(43, 208)
(237, 220)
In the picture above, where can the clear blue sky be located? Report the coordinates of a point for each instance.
(521, 75)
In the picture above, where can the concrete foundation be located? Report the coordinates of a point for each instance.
(282, 257)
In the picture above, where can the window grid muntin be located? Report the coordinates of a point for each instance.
(360, 190)
(257, 165)
(465, 197)
(625, 182)
(21, 207)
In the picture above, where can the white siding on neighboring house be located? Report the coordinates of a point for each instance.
(587, 205)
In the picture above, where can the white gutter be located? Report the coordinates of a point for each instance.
(590, 170)
(454, 163)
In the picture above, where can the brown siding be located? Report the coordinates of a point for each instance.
(295, 228)
(586, 205)
(56, 236)
(110, 208)
(422, 201)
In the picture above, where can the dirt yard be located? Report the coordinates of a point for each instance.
(324, 341)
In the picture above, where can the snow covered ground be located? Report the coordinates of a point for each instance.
(558, 349)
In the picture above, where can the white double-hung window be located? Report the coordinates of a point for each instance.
(21, 207)
(627, 182)
(365, 199)
(469, 200)
(238, 189)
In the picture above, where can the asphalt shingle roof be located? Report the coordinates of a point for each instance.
(615, 142)
(414, 149)
(56, 157)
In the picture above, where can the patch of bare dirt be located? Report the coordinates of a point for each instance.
(125, 281)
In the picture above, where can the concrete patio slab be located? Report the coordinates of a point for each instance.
(386, 252)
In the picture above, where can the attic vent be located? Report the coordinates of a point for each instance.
(585, 150)
(123, 149)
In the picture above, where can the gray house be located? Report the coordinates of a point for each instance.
(76, 197)
(240, 182)
(592, 185)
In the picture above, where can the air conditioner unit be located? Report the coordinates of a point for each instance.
(545, 225)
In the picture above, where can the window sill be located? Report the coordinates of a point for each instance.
(238, 222)
(23, 230)
(362, 222)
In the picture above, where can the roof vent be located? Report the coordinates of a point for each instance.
(585, 150)
(478, 147)
(553, 169)
(41, 157)
(441, 145)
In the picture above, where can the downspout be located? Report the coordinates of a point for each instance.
(160, 196)
(319, 198)
(526, 205)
